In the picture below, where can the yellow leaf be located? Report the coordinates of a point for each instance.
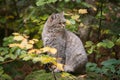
(45, 49)
(24, 42)
(29, 46)
(75, 17)
(16, 45)
(37, 51)
(94, 8)
(18, 38)
(45, 59)
(16, 34)
(10, 17)
(81, 24)
(36, 40)
(68, 22)
(60, 66)
(82, 11)
(48, 49)
(68, 14)
(65, 74)
(26, 45)
(25, 36)
(53, 50)
(31, 42)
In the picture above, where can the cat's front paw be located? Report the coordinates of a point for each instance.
(68, 69)
(57, 70)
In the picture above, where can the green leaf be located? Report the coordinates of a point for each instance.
(72, 21)
(78, 1)
(36, 59)
(6, 77)
(118, 42)
(106, 44)
(44, 17)
(67, 0)
(27, 58)
(91, 66)
(18, 52)
(1, 59)
(43, 2)
(12, 56)
(1, 70)
(109, 44)
(88, 44)
(110, 62)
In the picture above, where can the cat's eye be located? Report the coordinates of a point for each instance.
(64, 22)
(60, 23)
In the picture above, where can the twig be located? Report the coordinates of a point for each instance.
(54, 74)
(8, 61)
(100, 20)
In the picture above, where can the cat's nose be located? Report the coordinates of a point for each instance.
(63, 25)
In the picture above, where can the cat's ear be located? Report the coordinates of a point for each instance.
(62, 13)
(51, 18)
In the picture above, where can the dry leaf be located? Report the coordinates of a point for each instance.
(31, 42)
(25, 36)
(94, 8)
(29, 46)
(48, 49)
(36, 40)
(53, 50)
(45, 49)
(75, 17)
(81, 24)
(26, 45)
(60, 66)
(37, 51)
(16, 45)
(16, 34)
(24, 42)
(82, 11)
(68, 22)
(18, 38)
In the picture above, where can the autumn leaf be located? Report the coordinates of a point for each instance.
(31, 42)
(53, 50)
(65, 74)
(16, 34)
(75, 17)
(25, 44)
(68, 22)
(46, 59)
(82, 11)
(16, 45)
(48, 49)
(25, 36)
(81, 24)
(60, 66)
(37, 51)
(35, 40)
(18, 38)
(29, 46)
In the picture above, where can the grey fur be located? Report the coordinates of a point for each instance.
(69, 46)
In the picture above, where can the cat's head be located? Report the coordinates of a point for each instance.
(57, 20)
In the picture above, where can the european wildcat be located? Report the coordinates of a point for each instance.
(69, 46)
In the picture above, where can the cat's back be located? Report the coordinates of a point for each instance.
(74, 44)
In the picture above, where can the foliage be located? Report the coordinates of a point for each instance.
(110, 68)
(18, 47)
(43, 75)
(4, 76)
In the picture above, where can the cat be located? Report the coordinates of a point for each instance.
(69, 47)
